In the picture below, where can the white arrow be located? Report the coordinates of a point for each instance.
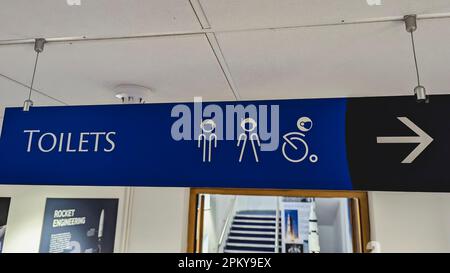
(422, 138)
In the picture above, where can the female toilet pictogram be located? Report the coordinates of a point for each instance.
(254, 138)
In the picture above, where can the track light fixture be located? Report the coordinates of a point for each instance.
(411, 26)
(38, 48)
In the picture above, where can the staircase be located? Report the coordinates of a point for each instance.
(252, 231)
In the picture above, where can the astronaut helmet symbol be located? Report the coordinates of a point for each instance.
(297, 154)
(207, 138)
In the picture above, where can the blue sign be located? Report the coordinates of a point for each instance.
(284, 144)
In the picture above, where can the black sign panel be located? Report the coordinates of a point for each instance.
(395, 143)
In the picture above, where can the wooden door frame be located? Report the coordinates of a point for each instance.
(361, 196)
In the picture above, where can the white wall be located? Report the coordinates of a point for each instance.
(327, 239)
(221, 206)
(215, 218)
(256, 203)
(1, 121)
(445, 200)
(410, 222)
(335, 231)
(26, 213)
(159, 220)
(401, 222)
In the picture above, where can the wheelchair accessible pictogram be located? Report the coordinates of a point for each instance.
(295, 140)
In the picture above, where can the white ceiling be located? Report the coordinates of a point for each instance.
(86, 72)
(13, 94)
(337, 61)
(21, 19)
(243, 14)
(253, 57)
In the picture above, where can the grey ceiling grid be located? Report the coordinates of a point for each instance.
(200, 14)
(214, 44)
(34, 89)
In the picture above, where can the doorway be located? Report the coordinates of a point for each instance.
(277, 221)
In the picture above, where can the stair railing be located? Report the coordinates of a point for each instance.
(277, 226)
(226, 226)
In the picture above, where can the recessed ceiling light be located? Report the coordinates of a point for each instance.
(73, 2)
(374, 2)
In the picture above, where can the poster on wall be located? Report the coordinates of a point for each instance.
(4, 209)
(295, 224)
(79, 225)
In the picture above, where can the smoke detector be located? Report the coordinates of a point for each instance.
(132, 93)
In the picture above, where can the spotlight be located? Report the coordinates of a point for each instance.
(421, 94)
(27, 105)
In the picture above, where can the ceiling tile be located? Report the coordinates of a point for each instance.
(22, 19)
(433, 53)
(86, 72)
(242, 14)
(348, 60)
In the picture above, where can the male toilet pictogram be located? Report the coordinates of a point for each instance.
(207, 138)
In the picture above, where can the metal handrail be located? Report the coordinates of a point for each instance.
(227, 223)
(277, 223)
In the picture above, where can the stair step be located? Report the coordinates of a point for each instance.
(251, 242)
(247, 238)
(257, 212)
(255, 234)
(256, 218)
(255, 228)
(254, 231)
(252, 228)
(272, 233)
(244, 251)
(248, 223)
(250, 248)
(269, 246)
